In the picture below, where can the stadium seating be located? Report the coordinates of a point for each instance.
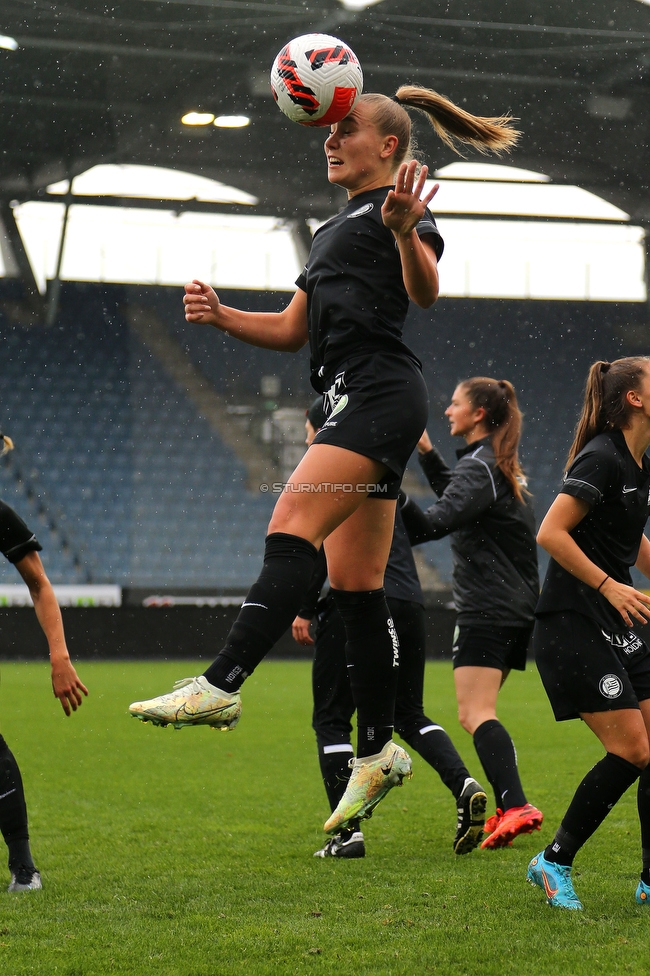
(123, 480)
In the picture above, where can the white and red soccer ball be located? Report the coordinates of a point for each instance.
(316, 79)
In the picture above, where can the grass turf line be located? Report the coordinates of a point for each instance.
(190, 853)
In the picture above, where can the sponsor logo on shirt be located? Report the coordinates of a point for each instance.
(362, 210)
(610, 686)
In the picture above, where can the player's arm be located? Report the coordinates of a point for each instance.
(66, 685)
(643, 559)
(401, 213)
(284, 331)
(554, 535)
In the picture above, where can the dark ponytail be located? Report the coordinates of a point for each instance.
(605, 404)
(503, 419)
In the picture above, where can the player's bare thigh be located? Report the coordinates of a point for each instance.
(328, 485)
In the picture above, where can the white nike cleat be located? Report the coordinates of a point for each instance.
(194, 701)
(371, 779)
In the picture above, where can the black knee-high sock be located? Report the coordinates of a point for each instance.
(267, 611)
(602, 787)
(334, 769)
(643, 806)
(372, 653)
(13, 811)
(496, 750)
(436, 748)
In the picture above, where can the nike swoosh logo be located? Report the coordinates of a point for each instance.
(254, 605)
(626, 491)
(550, 892)
(8, 793)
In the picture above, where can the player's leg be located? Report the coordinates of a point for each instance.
(625, 738)
(482, 660)
(427, 737)
(643, 807)
(585, 674)
(333, 710)
(13, 824)
(310, 508)
(372, 652)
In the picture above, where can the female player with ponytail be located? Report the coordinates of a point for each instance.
(592, 664)
(483, 505)
(365, 264)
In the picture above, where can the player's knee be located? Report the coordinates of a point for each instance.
(637, 753)
(466, 719)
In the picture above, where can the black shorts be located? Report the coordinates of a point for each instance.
(378, 407)
(586, 669)
(484, 646)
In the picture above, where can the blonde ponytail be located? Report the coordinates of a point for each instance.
(7, 444)
(453, 124)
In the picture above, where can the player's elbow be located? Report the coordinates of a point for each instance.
(427, 296)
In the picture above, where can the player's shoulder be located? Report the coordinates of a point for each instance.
(603, 450)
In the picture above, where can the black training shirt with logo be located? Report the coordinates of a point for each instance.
(606, 476)
(16, 540)
(356, 299)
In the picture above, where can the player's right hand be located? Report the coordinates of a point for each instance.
(628, 601)
(424, 444)
(300, 631)
(201, 303)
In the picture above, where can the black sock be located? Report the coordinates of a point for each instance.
(267, 611)
(599, 791)
(436, 748)
(334, 769)
(13, 811)
(643, 806)
(372, 653)
(496, 750)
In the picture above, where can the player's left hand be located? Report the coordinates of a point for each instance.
(66, 685)
(300, 631)
(403, 209)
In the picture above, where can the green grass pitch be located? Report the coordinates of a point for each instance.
(189, 853)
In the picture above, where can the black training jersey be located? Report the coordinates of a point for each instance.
(356, 299)
(401, 580)
(606, 476)
(16, 540)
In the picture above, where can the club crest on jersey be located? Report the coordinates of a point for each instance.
(611, 686)
(362, 210)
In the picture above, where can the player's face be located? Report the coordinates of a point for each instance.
(464, 418)
(641, 398)
(356, 154)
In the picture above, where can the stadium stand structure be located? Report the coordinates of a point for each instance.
(140, 491)
(126, 481)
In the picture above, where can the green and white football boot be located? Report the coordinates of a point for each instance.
(194, 701)
(370, 781)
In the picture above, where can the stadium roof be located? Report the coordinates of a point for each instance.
(90, 84)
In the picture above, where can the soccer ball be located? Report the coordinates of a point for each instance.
(316, 79)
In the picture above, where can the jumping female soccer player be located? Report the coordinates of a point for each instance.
(334, 705)
(592, 664)
(21, 547)
(365, 264)
(484, 507)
